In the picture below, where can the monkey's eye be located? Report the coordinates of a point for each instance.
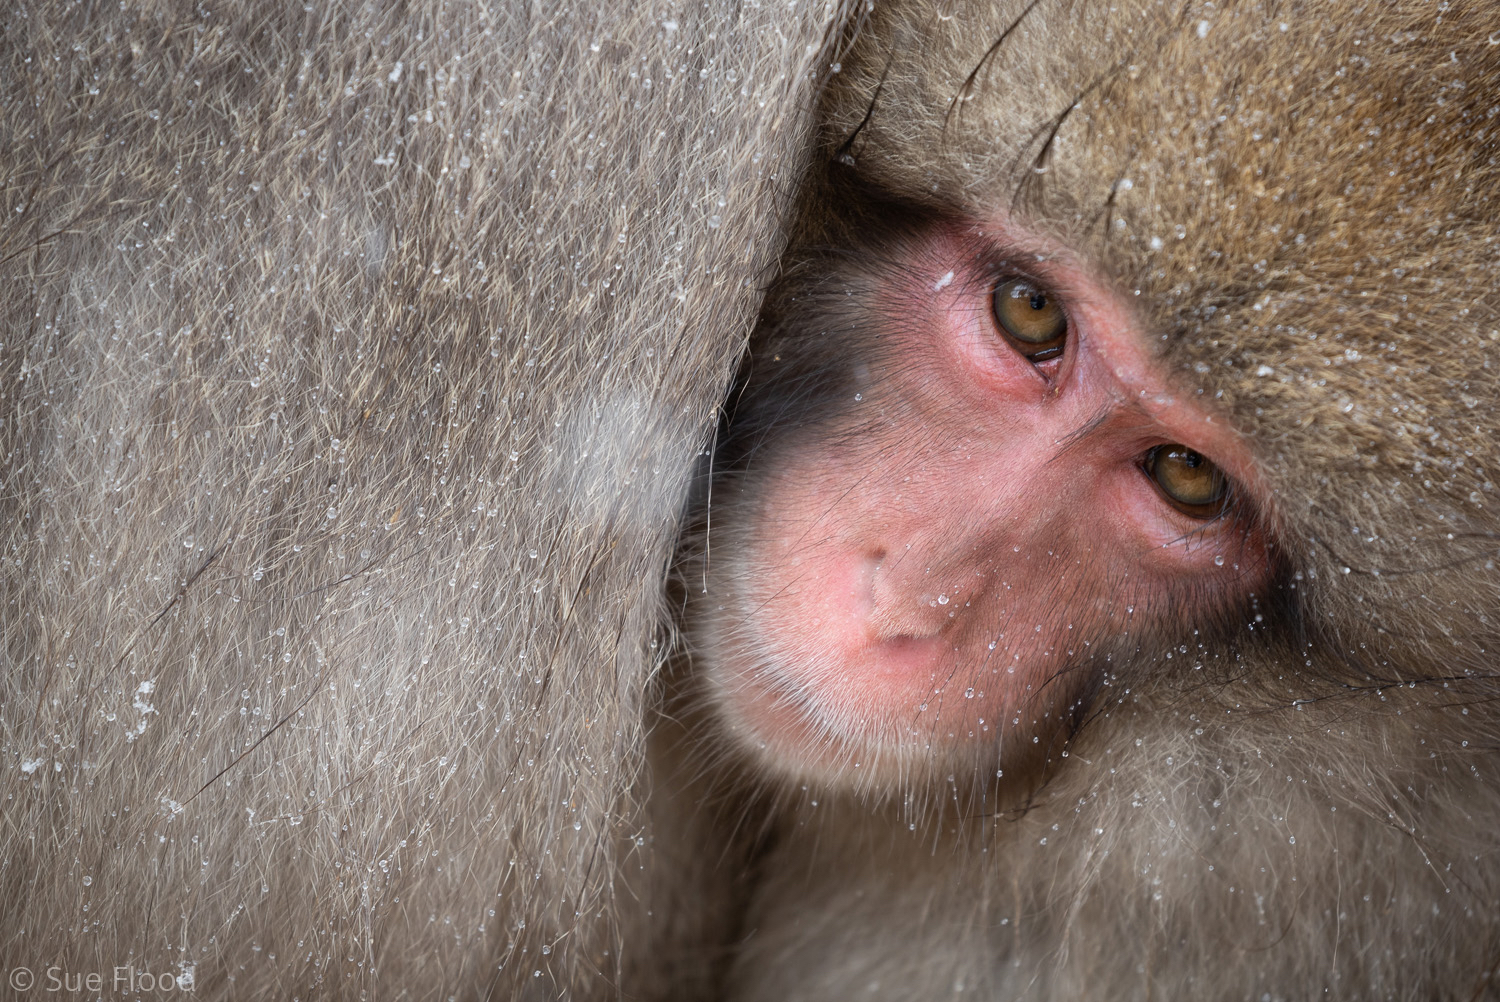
(1030, 319)
(1189, 482)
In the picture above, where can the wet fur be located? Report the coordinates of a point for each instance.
(275, 442)
(354, 366)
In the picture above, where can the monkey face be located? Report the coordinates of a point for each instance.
(1008, 501)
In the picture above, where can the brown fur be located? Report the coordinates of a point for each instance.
(1312, 223)
(355, 359)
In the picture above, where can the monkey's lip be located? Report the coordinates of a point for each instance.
(862, 649)
(905, 646)
(885, 673)
(902, 656)
(858, 711)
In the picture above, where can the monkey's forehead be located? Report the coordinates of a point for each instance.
(1158, 134)
(1302, 198)
(1273, 184)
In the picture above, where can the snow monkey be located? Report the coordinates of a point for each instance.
(1092, 596)
(1097, 581)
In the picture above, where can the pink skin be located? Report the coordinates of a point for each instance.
(915, 572)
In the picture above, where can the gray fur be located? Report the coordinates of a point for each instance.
(355, 361)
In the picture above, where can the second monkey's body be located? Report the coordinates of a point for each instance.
(1037, 716)
(1228, 855)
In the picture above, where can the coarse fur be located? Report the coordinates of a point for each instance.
(355, 361)
(355, 365)
(1303, 200)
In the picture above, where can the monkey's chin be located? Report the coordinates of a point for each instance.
(798, 725)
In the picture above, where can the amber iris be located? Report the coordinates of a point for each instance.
(1190, 483)
(1030, 319)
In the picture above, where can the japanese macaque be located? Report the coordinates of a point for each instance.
(1097, 581)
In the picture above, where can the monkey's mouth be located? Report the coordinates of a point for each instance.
(852, 698)
(904, 650)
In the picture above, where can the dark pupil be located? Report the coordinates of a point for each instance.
(1038, 301)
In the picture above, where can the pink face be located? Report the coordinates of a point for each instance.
(935, 576)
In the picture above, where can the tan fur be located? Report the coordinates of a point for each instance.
(355, 359)
(1312, 223)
